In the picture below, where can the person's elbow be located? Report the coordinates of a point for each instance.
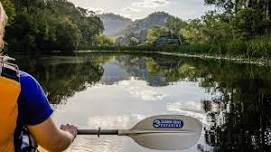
(60, 144)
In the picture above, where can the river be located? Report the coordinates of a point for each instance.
(113, 91)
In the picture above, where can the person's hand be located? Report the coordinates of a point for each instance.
(70, 129)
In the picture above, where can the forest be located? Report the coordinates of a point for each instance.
(39, 26)
(234, 28)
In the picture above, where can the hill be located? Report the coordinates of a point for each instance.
(114, 24)
(140, 27)
(118, 26)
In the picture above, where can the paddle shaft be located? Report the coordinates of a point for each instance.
(97, 132)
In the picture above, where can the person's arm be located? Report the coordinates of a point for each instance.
(36, 114)
(50, 137)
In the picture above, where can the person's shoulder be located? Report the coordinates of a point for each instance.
(33, 100)
(26, 78)
(28, 83)
(25, 75)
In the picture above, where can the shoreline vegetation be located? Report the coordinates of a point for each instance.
(139, 50)
(240, 30)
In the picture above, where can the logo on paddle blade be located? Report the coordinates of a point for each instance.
(167, 123)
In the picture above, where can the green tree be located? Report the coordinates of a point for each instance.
(50, 25)
(155, 32)
(245, 11)
(249, 22)
(67, 35)
(102, 40)
(215, 29)
(20, 34)
(193, 32)
(175, 25)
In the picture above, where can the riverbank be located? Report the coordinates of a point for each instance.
(256, 50)
(235, 59)
(191, 51)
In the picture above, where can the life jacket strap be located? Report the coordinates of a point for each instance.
(8, 69)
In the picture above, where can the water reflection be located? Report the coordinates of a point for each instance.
(116, 91)
(62, 77)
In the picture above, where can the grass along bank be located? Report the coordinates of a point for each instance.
(253, 51)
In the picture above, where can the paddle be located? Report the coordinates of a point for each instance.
(165, 132)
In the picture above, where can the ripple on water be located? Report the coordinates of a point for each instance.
(103, 144)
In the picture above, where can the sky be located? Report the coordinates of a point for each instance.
(137, 9)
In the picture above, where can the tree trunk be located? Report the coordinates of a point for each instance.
(267, 15)
(267, 9)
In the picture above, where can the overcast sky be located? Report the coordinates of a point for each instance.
(136, 9)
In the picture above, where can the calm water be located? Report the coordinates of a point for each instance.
(116, 91)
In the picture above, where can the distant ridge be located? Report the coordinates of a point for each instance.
(118, 26)
(140, 27)
(114, 24)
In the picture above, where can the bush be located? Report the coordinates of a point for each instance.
(195, 48)
(259, 47)
(236, 47)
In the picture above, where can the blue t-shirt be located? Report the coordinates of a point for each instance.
(33, 105)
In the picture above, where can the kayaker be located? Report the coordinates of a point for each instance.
(25, 110)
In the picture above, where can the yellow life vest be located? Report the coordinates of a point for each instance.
(9, 92)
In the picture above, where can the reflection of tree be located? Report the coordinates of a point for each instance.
(156, 70)
(143, 67)
(240, 114)
(241, 122)
(61, 79)
(239, 118)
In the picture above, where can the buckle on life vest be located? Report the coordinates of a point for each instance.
(8, 69)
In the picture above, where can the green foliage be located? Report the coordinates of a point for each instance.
(153, 67)
(250, 17)
(188, 71)
(249, 22)
(195, 48)
(24, 29)
(236, 47)
(67, 35)
(52, 25)
(193, 33)
(215, 29)
(242, 28)
(63, 76)
(155, 32)
(175, 25)
(259, 47)
(102, 40)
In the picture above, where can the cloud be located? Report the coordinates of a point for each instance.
(128, 11)
(131, 9)
(97, 10)
(116, 121)
(139, 7)
(150, 3)
(140, 89)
